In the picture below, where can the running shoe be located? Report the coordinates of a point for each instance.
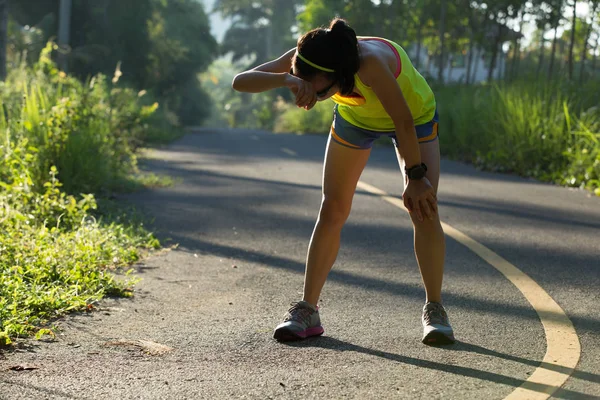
(436, 326)
(301, 321)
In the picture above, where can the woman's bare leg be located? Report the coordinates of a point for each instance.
(429, 240)
(341, 172)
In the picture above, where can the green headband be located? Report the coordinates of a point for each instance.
(312, 64)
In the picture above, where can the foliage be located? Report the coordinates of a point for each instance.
(180, 47)
(298, 120)
(57, 246)
(52, 112)
(262, 29)
(217, 81)
(56, 257)
(234, 109)
(160, 45)
(542, 130)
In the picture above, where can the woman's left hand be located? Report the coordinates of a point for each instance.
(419, 197)
(311, 104)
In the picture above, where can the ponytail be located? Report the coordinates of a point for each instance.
(332, 51)
(345, 50)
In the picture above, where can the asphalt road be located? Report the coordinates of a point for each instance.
(242, 216)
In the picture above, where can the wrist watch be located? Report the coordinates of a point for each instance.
(416, 172)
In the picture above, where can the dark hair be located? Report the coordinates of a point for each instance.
(334, 48)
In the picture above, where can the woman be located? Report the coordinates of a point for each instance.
(377, 92)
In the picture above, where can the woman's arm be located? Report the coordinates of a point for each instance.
(380, 78)
(271, 75)
(419, 195)
(275, 74)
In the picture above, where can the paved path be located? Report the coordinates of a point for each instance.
(242, 216)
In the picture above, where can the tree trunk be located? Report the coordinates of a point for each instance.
(499, 62)
(572, 40)
(553, 54)
(585, 42)
(470, 61)
(513, 62)
(517, 49)
(471, 47)
(279, 28)
(595, 54)
(450, 62)
(419, 43)
(442, 35)
(500, 65)
(3, 37)
(541, 61)
(64, 31)
(476, 68)
(494, 56)
(428, 68)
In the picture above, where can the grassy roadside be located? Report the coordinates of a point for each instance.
(65, 147)
(549, 131)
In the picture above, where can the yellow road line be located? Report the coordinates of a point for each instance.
(288, 151)
(563, 349)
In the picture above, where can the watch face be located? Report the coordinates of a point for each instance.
(417, 173)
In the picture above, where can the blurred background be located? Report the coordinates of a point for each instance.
(517, 81)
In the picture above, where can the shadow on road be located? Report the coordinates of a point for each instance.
(526, 213)
(473, 348)
(536, 213)
(455, 300)
(331, 343)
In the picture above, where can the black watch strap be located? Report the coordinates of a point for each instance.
(416, 172)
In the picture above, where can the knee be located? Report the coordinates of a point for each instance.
(427, 225)
(334, 211)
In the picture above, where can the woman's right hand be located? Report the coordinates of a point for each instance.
(306, 97)
(419, 197)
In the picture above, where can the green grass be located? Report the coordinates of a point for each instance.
(547, 131)
(65, 146)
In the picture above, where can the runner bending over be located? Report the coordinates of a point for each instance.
(378, 93)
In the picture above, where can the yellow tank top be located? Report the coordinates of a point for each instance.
(367, 112)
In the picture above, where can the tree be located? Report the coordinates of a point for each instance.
(3, 37)
(261, 29)
(420, 19)
(517, 41)
(572, 43)
(180, 45)
(98, 31)
(365, 17)
(499, 11)
(595, 52)
(584, 50)
(444, 11)
(478, 28)
(446, 29)
(179, 48)
(64, 31)
(541, 18)
(40, 17)
(555, 18)
(472, 31)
